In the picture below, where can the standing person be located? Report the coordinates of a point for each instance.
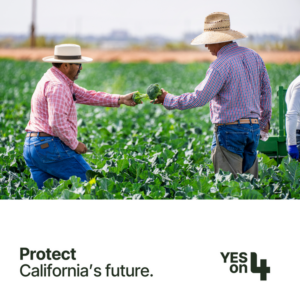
(51, 148)
(292, 99)
(238, 89)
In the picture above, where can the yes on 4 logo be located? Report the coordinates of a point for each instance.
(238, 261)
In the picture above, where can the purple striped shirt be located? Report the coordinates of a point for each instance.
(236, 84)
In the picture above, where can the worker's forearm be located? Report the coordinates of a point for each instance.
(203, 93)
(265, 119)
(84, 96)
(182, 102)
(61, 129)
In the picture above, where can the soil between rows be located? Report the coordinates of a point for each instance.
(126, 56)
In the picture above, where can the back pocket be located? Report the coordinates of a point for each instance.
(47, 151)
(236, 141)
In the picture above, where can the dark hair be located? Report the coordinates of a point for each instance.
(56, 65)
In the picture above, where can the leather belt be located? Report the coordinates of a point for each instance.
(242, 121)
(31, 134)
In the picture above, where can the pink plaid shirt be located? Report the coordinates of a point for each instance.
(53, 109)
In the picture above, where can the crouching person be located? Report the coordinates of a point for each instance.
(51, 148)
(238, 89)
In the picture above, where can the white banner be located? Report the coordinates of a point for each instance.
(141, 250)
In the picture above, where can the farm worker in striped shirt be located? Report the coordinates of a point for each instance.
(51, 147)
(238, 89)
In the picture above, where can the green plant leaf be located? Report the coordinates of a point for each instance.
(68, 195)
(251, 194)
(291, 171)
(51, 183)
(92, 174)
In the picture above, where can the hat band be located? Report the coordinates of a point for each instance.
(217, 28)
(67, 57)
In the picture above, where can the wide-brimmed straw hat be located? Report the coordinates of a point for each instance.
(217, 30)
(67, 53)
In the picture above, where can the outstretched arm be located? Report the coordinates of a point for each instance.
(203, 93)
(83, 96)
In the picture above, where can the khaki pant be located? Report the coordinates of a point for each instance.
(229, 161)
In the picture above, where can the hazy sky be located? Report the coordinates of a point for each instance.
(147, 17)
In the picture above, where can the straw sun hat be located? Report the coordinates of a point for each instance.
(67, 53)
(217, 30)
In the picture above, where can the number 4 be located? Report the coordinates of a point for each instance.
(263, 269)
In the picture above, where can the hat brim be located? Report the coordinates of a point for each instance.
(83, 59)
(215, 37)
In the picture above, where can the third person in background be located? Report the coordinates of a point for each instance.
(292, 99)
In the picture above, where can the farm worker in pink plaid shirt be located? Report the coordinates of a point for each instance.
(51, 148)
(238, 89)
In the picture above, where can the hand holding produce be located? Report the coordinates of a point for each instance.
(127, 100)
(160, 99)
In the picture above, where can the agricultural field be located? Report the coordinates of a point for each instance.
(144, 152)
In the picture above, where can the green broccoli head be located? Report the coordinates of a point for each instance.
(154, 91)
(137, 97)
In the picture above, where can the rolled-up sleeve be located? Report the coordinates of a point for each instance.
(83, 96)
(203, 93)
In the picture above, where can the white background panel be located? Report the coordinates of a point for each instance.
(180, 242)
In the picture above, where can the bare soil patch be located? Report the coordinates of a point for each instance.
(126, 56)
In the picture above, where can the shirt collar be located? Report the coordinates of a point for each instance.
(227, 48)
(62, 76)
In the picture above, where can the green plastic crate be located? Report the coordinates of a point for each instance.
(275, 146)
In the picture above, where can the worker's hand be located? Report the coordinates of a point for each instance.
(81, 148)
(293, 151)
(161, 98)
(266, 130)
(127, 100)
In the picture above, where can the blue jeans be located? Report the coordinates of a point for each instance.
(48, 157)
(241, 139)
(297, 140)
